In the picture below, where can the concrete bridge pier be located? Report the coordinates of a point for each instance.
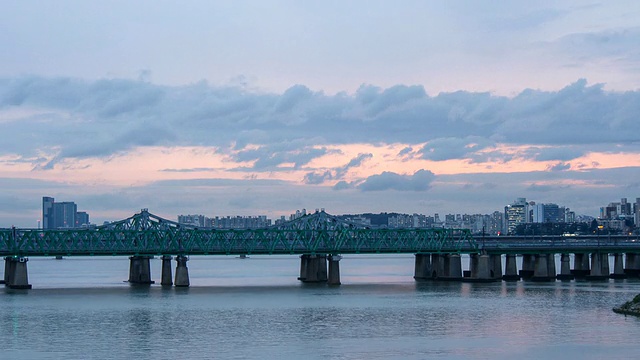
(167, 278)
(16, 275)
(7, 269)
(304, 263)
(334, 270)
(541, 272)
(480, 269)
(452, 267)
(551, 264)
(604, 264)
(437, 266)
(580, 265)
(140, 270)
(510, 268)
(528, 266)
(632, 264)
(182, 271)
(483, 271)
(313, 268)
(596, 268)
(618, 267)
(495, 266)
(565, 268)
(422, 267)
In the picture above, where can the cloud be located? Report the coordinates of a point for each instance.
(563, 153)
(342, 185)
(190, 170)
(71, 118)
(337, 173)
(314, 178)
(453, 148)
(419, 181)
(561, 166)
(619, 45)
(270, 156)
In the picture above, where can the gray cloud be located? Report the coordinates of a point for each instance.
(72, 118)
(561, 166)
(337, 173)
(453, 148)
(563, 153)
(419, 181)
(315, 178)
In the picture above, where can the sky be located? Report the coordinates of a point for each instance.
(266, 107)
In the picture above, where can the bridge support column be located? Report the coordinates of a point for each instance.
(17, 276)
(541, 272)
(495, 264)
(334, 270)
(480, 269)
(304, 263)
(315, 269)
(510, 268)
(565, 268)
(453, 267)
(632, 265)
(580, 265)
(140, 270)
(437, 266)
(483, 271)
(473, 266)
(7, 269)
(528, 266)
(596, 268)
(167, 279)
(551, 266)
(182, 271)
(604, 264)
(422, 266)
(618, 267)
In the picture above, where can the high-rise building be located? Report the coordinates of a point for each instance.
(65, 214)
(47, 212)
(515, 214)
(545, 213)
(82, 219)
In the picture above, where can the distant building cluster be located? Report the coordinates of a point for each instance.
(619, 216)
(238, 222)
(62, 215)
(522, 212)
(521, 217)
(229, 222)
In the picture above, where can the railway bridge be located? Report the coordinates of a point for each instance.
(320, 239)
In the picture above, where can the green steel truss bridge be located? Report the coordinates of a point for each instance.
(148, 234)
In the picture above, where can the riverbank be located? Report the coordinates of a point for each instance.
(631, 307)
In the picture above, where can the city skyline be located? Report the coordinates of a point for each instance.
(244, 108)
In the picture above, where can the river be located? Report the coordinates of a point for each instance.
(254, 308)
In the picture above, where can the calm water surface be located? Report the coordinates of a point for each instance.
(255, 308)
